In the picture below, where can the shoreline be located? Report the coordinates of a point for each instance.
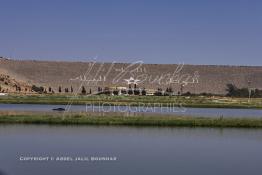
(152, 121)
(192, 102)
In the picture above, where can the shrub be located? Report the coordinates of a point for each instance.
(37, 89)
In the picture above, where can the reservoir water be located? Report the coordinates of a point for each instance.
(152, 151)
(203, 112)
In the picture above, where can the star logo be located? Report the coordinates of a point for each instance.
(131, 80)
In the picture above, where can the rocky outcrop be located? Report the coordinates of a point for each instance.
(9, 84)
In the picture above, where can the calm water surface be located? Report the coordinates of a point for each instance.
(152, 151)
(204, 112)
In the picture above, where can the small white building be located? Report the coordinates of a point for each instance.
(150, 92)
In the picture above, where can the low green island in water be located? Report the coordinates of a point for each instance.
(173, 121)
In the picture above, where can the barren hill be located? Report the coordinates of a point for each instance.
(194, 78)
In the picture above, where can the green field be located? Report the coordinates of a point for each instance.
(193, 101)
(176, 121)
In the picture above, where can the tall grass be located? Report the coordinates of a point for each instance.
(78, 119)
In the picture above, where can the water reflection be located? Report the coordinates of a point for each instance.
(140, 150)
(203, 112)
(2, 173)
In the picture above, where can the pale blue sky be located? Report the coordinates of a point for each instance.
(189, 31)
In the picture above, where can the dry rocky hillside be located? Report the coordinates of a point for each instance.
(192, 78)
(9, 84)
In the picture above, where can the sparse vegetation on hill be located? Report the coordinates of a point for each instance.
(211, 79)
(10, 84)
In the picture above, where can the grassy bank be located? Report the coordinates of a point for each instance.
(198, 101)
(78, 119)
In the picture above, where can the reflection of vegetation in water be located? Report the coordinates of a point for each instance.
(81, 119)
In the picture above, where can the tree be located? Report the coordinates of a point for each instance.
(169, 89)
(188, 93)
(83, 90)
(115, 92)
(136, 92)
(233, 91)
(257, 93)
(99, 89)
(158, 92)
(144, 91)
(37, 89)
(130, 92)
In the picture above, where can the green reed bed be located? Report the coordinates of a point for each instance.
(81, 119)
